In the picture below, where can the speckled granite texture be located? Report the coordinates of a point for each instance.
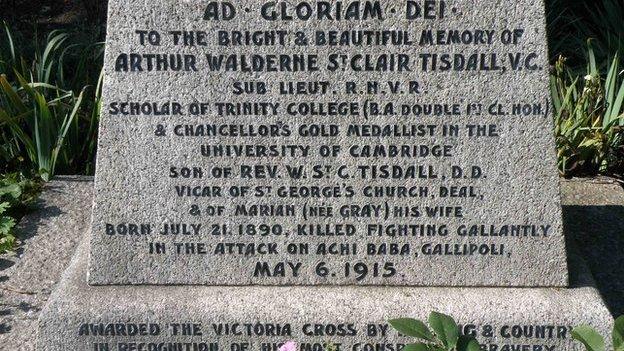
(518, 187)
(52, 233)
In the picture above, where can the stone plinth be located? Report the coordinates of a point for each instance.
(500, 315)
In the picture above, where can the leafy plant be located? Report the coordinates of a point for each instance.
(572, 22)
(46, 121)
(593, 341)
(443, 336)
(589, 118)
(17, 197)
(7, 239)
(49, 104)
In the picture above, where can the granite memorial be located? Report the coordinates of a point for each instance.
(305, 170)
(363, 142)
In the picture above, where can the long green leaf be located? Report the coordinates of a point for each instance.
(9, 36)
(55, 41)
(67, 122)
(593, 67)
(412, 327)
(555, 93)
(616, 105)
(418, 347)
(467, 343)
(445, 329)
(618, 334)
(589, 337)
(19, 133)
(11, 94)
(610, 84)
(43, 127)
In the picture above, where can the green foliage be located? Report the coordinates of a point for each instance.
(445, 329)
(443, 336)
(572, 22)
(7, 239)
(17, 196)
(446, 337)
(412, 327)
(49, 104)
(589, 118)
(618, 334)
(593, 341)
(50, 92)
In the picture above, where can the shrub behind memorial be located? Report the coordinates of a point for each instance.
(58, 67)
(572, 22)
(17, 197)
(49, 103)
(589, 118)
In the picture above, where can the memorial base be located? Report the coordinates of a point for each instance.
(195, 318)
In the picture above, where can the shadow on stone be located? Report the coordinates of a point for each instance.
(4, 328)
(5, 264)
(24, 307)
(597, 232)
(27, 307)
(28, 228)
(4, 313)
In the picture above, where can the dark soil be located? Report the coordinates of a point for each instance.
(53, 13)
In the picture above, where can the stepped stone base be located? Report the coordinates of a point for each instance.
(262, 318)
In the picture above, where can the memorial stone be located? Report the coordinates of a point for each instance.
(327, 142)
(272, 171)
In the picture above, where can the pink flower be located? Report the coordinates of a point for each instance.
(289, 346)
